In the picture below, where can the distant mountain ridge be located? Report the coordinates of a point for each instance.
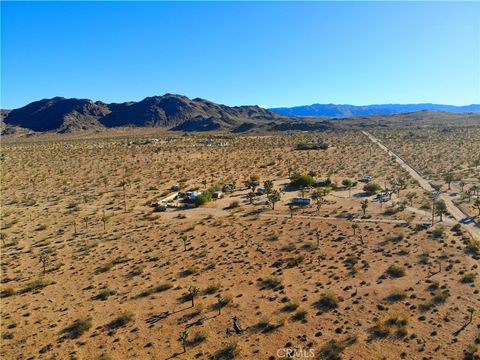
(170, 111)
(334, 110)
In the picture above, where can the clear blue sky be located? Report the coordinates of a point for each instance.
(265, 53)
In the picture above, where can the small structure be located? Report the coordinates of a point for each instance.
(228, 187)
(366, 178)
(301, 201)
(192, 195)
(167, 199)
(217, 195)
(260, 191)
(322, 182)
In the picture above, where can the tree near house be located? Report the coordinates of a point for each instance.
(476, 204)
(448, 178)
(268, 185)
(440, 208)
(364, 206)
(349, 184)
(273, 198)
(252, 182)
(251, 196)
(410, 197)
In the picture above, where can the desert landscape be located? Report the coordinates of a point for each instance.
(94, 266)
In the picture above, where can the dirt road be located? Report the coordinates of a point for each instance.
(454, 211)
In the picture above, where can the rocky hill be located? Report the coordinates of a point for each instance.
(175, 112)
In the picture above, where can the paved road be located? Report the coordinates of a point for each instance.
(458, 215)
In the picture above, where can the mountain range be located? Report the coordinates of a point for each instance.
(173, 112)
(179, 113)
(343, 111)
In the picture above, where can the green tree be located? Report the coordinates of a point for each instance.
(273, 198)
(301, 180)
(252, 182)
(372, 188)
(355, 227)
(193, 292)
(268, 185)
(476, 203)
(440, 208)
(44, 259)
(411, 196)
(448, 178)
(349, 184)
(364, 205)
(184, 339)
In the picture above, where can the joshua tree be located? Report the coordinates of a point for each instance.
(185, 242)
(354, 228)
(44, 259)
(411, 196)
(3, 237)
(193, 292)
(448, 177)
(74, 223)
(251, 196)
(292, 209)
(220, 303)
(183, 339)
(349, 183)
(364, 205)
(440, 208)
(268, 185)
(252, 182)
(204, 182)
(273, 198)
(318, 239)
(104, 219)
(462, 185)
(476, 203)
(85, 219)
(471, 310)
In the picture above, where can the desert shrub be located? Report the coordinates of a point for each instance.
(231, 351)
(197, 339)
(372, 188)
(289, 307)
(7, 291)
(396, 295)
(327, 301)
(271, 282)
(301, 180)
(104, 294)
(78, 328)
(211, 289)
(122, 320)
(333, 349)
(300, 315)
(395, 271)
(473, 247)
(468, 278)
(438, 232)
(37, 285)
(297, 260)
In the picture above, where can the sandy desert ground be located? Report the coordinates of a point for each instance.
(91, 271)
